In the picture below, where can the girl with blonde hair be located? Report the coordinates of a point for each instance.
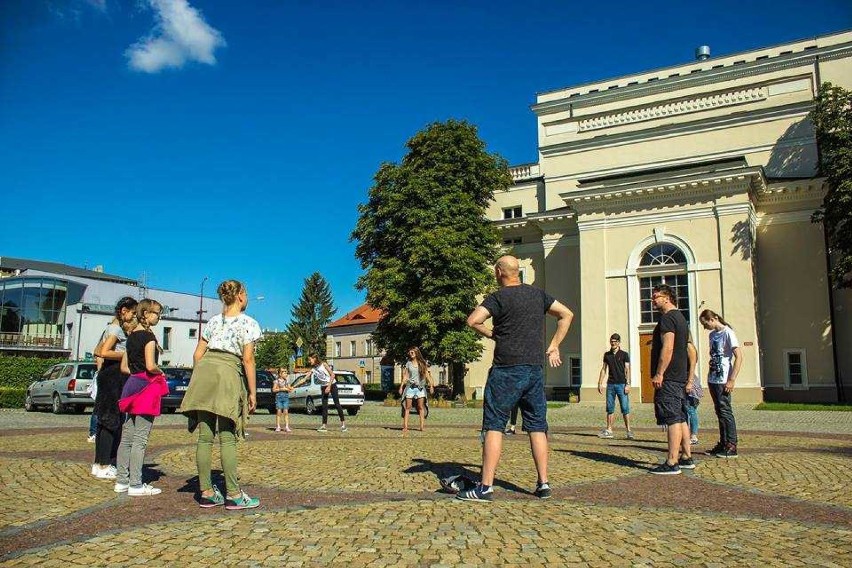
(415, 378)
(217, 401)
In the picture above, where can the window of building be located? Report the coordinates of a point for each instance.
(662, 263)
(337, 349)
(513, 241)
(193, 333)
(576, 371)
(368, 347)
(167, 338)
(352, 348)
(795, 369)
(368, 376)
(513, 212)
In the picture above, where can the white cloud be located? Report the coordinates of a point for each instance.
(99, 5)
(180, 35)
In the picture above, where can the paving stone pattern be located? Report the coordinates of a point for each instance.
(369, 497)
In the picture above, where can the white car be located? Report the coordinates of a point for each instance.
(307, 393)
(62, 387)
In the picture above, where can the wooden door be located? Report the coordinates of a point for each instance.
(645, 366)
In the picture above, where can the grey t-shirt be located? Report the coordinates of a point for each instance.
(118, 332)
(414, 378)
(518, 313)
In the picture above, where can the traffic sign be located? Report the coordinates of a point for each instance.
(362, 363)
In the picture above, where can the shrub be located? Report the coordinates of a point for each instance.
(12, 397)
(18, 372)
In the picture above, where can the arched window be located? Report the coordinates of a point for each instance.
(662, 263)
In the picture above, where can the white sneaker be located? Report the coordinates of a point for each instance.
(95, 469)
(605, 433)
(108, 473)
(91, 439)
(145, 489)
(121, 487)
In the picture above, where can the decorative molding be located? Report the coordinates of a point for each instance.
(668, 131)
(697, 267)
(725, 209)
(649, 219)
(550, 243)
(792, 191)
(697, 104)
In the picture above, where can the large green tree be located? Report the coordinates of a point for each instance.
(311, 314)
(274, 350)
(427, 246)
(832, 118)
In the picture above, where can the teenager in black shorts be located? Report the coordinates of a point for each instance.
(670, 372)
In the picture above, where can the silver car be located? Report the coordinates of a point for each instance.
(307, 393)
(62, 387)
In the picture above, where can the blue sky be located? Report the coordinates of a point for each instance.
(236, 139)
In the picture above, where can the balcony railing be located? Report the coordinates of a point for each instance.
(30, 341)
(525, 171)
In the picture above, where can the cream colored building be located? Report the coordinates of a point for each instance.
(350, 347)
(702, 176)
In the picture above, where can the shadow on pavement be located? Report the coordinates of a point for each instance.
(445, 469)
(609, 458)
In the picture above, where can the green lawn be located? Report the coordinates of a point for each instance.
(803, 406)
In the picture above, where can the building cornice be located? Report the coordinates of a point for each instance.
(694, 74)
(707, 187)
(791, 191)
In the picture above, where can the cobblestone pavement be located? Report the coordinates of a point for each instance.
(369, 497)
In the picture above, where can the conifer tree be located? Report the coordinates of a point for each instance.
(311, 314)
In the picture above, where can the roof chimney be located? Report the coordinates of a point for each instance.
(702, 52)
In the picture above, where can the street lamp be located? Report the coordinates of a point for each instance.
(83, 309)
(201, 307)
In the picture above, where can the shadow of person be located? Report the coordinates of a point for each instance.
(610, 458)
(191, 485)
(151, 473)
(446, 469)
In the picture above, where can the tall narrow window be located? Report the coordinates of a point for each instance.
(167, 338)
(576, 371)
(337, 349)
(663, 263)
(796, 368)
(352, 348)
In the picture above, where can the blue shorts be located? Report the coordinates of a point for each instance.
(414, 392)
(521, 385)
(613, 391)
(282, 401)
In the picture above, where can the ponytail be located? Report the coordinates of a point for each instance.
(710, 314)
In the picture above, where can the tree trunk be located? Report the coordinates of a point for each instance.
(457, 375)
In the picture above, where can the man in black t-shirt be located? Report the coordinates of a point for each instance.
(615, 376)
(669, 370)
(517, 375)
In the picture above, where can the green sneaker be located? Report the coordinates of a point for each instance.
(242, 502)
(212, 501)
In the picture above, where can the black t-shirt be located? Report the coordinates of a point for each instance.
(671, 322)
(615, 362)
(518, 313)
(136, 343)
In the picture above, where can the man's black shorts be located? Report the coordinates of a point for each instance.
(670, 403)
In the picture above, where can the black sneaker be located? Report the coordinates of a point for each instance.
(666, 469)
(509, 431)
(476, 494)
(718, 448)
(686, 463)
(729, 452)
(542, 490)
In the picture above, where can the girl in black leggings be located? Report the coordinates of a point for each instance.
(110, 382)
(325, 377)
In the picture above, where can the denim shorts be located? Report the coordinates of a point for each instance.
(414, 392)
(670, 403)
(521, 385)
(282, 401)
(613, 391)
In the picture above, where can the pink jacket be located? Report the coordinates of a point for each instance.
(147, 400)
